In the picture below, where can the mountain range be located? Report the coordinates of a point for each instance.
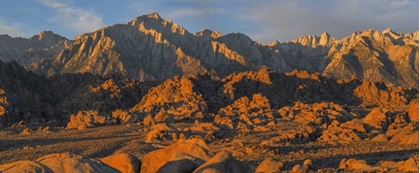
(149, 48)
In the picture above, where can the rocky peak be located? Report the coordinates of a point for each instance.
(363, 37)
(274, 43)
(351, 38)
(386, 37)
(12, 48)
(372, 33)
(388, 30)
(48, 37)
(44, 34)
(5, 36)
(313, 40)
(263, 75)
(416, 35)
(153, 24)
(324, 39)
(147, 17)
(154, 15)
(208, 34)
(236, 41)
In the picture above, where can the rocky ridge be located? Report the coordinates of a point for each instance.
(29, 50)
(151, 48)
(41, 99)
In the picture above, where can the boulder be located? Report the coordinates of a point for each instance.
(123, 162)
(24, 167)
(408, 134)
(161, 131)
(413, 111)
(149, 120)
(176, 155)
(344, 135)
(355, 124)
(299, 169)
(180, 162)
(223, 162)
(375, 119)
(410, 165)
(353, 164)
(65, 162)
(380, 138)
(163, 117)
(269, 166)
(305, 167)
(123, 116)
(26, 131)
(86, 119)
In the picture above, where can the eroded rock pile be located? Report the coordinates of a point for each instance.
(87, 119)
(239, 103)
(246, 114)
(377, 94)
(176, 97)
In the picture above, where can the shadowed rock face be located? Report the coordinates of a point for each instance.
(37, 99)
(28, 50)
(123, 162)
(149, 48)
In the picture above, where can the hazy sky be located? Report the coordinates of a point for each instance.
(262, 20)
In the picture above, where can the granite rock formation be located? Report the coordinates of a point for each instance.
(151, 48)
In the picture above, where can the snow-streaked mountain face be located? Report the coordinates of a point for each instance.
(151, 48)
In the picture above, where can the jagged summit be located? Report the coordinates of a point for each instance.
(48, 36)
(274, 43)
(313, 41)
(147, 17)
(40, 35)
(207, 34)
(154, 15)
(5, 36)
(388, 30)
(16, 48)
(45, 34)
(325, 34)
(325, 39)
(416, 35)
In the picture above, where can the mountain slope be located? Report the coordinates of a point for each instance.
(29, 50)
(375, 56)
(151, 48)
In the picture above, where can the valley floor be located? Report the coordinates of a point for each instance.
(106, 140)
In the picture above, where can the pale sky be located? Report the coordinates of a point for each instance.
(262, 20)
